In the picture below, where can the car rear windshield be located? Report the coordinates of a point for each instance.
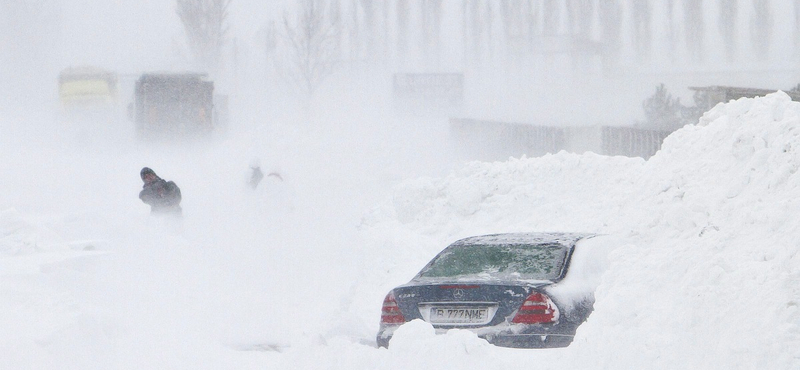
(518, 261)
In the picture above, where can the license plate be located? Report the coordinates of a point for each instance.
(459, 315)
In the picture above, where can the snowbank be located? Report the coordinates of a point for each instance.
(707, 275)
(710, 277)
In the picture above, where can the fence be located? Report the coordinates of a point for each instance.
(631, 142)
(493, 140)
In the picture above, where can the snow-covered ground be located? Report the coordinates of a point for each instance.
(292, 275)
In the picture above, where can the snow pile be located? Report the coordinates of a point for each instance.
(707, 275)
(710, 277)
(414, 346)
(587, 265)
(517, 195)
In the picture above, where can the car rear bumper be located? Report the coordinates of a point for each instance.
(502, 339)
(531, 340)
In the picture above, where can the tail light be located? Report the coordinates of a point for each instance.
(537, 309)
(390, 313)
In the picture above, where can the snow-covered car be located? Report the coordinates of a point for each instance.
(528, 290)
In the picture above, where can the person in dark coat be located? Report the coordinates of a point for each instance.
(162, 196)
(255, 176)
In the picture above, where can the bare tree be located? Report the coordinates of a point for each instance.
(796, 27)
(402, 30)
(431, 29)
(610, 12)
(512, 14)
(728, 12)
(270, 39)
(337, 25)
(580, 21)
(672, 30)
(532, 20)
(385, 52)
(369, 22)
(477, 26)
(551, 17)
(585, 18)
(695, 28)
(579, 17)
(571, 16)
(354, 39)
(489, 34)
(205, 24)
(474, 27)
(311, 38)
(641, 29)
(465, 30)
(761, 28)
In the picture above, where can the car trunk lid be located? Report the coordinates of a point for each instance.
(462, 304)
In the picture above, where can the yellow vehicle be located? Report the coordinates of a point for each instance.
(87, 89)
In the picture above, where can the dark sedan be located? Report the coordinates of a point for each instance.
(510, 289)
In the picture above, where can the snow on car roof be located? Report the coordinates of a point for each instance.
(563, 238)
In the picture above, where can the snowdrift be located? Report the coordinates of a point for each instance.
(707, 275)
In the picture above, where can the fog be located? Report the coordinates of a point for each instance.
(503, 78)
(226, 271)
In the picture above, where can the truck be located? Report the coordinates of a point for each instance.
(173, 104)
(428, 92)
